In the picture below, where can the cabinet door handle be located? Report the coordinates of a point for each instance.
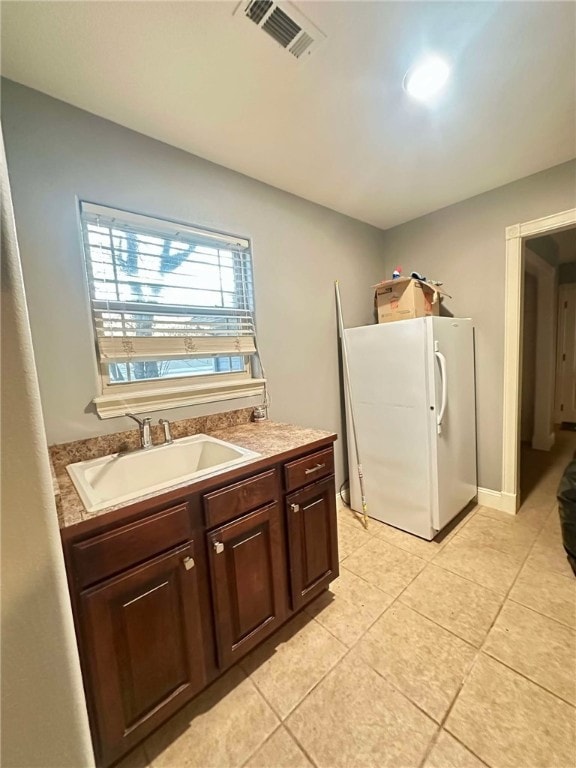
(188, 563)
(314, 469)
(218, 547)
(295, 507)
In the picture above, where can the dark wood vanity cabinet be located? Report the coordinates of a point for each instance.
(143, 647)
(166, 598)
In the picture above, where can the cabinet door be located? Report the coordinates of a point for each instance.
(312, 540)
(248, 572)
(143, 648)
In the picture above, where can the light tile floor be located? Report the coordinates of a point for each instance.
(458, 653)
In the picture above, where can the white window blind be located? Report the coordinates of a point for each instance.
(161, 292)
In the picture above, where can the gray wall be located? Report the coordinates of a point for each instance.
(57, 153)
(464, 245)
(44, 719)
(567, 272)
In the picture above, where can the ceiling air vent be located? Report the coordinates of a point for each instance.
(284, 23)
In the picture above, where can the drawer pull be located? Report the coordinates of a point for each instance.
(314, 469)
(295, 507)
(188, 563)
(218, 547)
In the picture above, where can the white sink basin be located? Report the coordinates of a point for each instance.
(121, 477)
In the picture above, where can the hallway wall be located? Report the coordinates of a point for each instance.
(464, 245)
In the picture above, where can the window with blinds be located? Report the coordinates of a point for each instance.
(169, 301)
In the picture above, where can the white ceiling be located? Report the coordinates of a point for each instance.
(336, 128)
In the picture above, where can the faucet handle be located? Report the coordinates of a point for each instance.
(167, 434)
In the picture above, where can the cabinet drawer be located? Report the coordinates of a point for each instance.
(114, 551)
(234, 500)
(309, 469)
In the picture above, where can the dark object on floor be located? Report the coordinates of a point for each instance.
(568, 426)
(345, 487)
(567, 512)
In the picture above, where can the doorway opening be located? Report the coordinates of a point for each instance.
(532, 276)
(548, 376)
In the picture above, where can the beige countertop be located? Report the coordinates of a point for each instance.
(269, 439)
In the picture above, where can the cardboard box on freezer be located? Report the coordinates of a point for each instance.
(404, 298)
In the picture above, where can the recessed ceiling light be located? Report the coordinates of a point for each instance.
(426, 78)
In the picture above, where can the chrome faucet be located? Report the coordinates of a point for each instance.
(167, 434)
(144, 424)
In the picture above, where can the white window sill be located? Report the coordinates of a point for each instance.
(115, 404)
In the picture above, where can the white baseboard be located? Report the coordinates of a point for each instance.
(503, 502)
(543, 442)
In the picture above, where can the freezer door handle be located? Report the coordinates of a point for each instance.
(444, 378)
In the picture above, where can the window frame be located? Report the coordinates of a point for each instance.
(141, 396)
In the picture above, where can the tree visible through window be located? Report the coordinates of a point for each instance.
(168, 300)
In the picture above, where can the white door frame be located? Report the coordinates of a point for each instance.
(514, 284)
(564, 292)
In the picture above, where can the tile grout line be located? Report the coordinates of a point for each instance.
(236, 665)
(433, 742)
(349, 650)
(403, 551)
(529, 679)
(467, 578)
(441, 626)
(368, 628)
(452, 703)
(480, 651)
(452, 535)
(365, 580)
(281, 720)
(327, 672)
(391, 683)
(544, 615)
(303, 699)
(266, 740)
(506, 554)
(299, 744)
(430, 562)
(378, 673)
(375, 586)
(281, 727)
(504, 600)
(404, 695)
(512, 585)
(370, 584)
